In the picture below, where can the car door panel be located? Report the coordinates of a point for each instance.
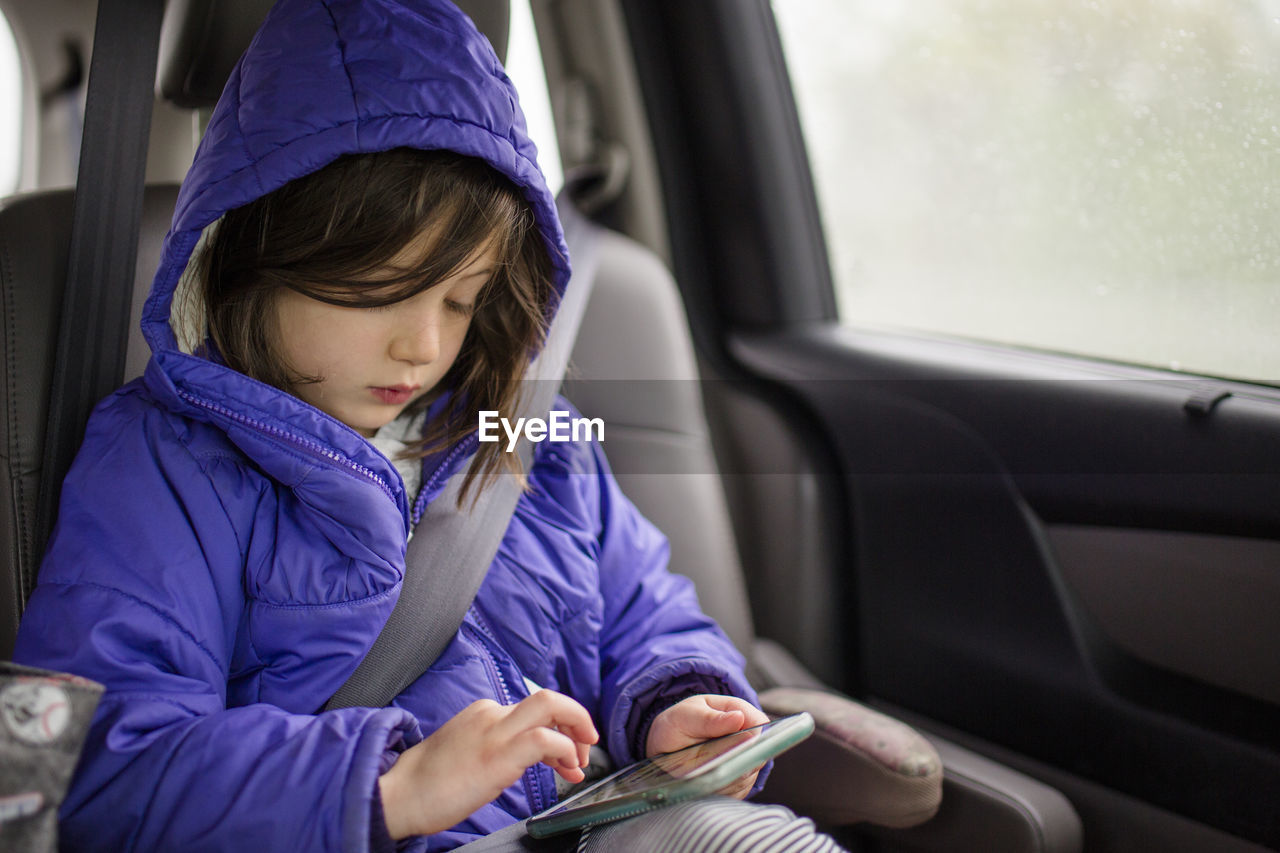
(971, 479)
(1205, 607)
(1059, 556)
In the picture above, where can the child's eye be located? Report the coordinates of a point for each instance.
(458, 308)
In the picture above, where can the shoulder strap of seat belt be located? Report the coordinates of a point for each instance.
(93, 329)
(452, 547)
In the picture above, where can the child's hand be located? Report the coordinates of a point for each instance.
(469, 760)
(700, 718)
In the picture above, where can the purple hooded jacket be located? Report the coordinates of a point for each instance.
(225, 554)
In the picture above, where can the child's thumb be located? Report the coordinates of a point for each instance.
(717, 722)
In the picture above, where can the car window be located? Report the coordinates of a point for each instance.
(10, 110)
(1086, 177)
(524, 67)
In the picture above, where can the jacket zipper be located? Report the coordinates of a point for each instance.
(312, 447)
(420, 504)
(532, 784)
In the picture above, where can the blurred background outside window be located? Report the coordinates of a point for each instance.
(1098, 178)
(10, 110)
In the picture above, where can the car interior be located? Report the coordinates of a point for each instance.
(1053, 580)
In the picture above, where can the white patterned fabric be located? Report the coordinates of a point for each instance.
(712, 825)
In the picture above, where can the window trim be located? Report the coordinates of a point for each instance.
(740, 204)
(22, 139)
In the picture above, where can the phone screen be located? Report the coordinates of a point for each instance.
(656, 771)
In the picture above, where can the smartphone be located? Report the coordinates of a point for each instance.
(695, 771)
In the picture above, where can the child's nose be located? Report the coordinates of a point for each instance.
(418, 342)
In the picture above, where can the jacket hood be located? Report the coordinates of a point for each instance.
(324, 78)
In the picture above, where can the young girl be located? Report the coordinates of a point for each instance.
(363, 256)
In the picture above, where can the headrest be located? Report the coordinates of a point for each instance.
(201, 40)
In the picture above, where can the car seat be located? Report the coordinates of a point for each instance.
(861, 766)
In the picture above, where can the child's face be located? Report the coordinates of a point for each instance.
(374, 362)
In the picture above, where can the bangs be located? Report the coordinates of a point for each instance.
(428, 229)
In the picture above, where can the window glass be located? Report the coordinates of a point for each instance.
(524, 67)
(10, 110)
(1094, 177)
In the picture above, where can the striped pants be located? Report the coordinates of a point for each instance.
(711, 825)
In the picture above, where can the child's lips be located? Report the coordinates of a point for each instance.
(394, 395)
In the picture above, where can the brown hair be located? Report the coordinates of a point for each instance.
(328, 236)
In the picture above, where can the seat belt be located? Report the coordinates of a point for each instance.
(97, 296)
(452, 547)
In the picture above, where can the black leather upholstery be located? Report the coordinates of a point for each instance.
(35, 231)
(199, 45)
(202, 40)
(34, 235)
